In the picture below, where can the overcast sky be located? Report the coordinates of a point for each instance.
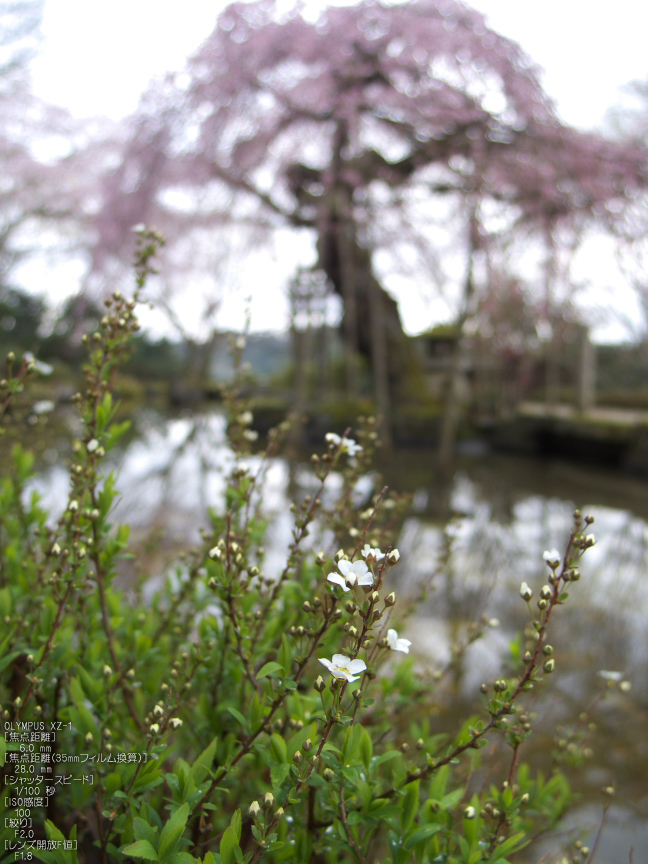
(99, 55)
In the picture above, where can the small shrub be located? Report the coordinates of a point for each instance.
(241, 715)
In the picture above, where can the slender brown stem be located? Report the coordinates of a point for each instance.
(599, 834)
(347, 829)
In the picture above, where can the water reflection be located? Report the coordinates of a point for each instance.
(512, 509)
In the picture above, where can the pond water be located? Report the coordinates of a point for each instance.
(512, 509)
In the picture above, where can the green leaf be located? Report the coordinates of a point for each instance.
(140, 849)
(85, 721)
(388, 756)
(9, 659)
(202, 766)
(366, 747)
(278, 748)
(144, 831)
(513, 843)
(278, 774)
(422, 834)
(285, 655)
(351, 746)
(5, 603)
(238, 716)
(173, 830)
(268, 669)
(410, 805)
(228, 844)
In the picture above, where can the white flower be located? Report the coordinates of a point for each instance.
(44, 406)
(352, 574)
(397, 644)
(525, 592)
(393, 556)
(245, 418)
(139, 228)
(92, 445)
(553, 558)
(610, 676)
(341, 666)
(73, 506)
(348, 445)
(215, 552)
(175, 722)
(374, 553)
(250, 435)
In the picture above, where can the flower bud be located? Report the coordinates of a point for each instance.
(390, 599)
(320, 684)
(525, 592)
(298, 757)
(549, 666)
(154, 728)
(107, 671)
(469, 812)
(254, 809)
(546, 592)
(268, 800)
(307, 745)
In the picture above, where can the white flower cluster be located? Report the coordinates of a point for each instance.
(357, 574)
(347, 445)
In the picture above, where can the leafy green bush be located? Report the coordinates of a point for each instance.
(240, 716)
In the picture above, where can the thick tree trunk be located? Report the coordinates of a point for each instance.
(450, 422)
(344, 260)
